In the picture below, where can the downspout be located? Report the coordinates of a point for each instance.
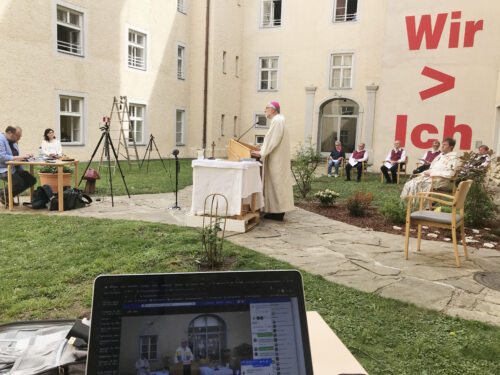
(205, 78)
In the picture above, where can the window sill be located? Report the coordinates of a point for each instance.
(340, 88)
(72, 144)
(70, 53)
(138, 68)
(270, 26)
(271, 90)
(181, 78)
(180, 144)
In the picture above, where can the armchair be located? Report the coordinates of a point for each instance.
(451, 220)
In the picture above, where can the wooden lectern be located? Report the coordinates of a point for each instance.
(240, 150)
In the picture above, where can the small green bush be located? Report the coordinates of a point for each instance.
(304, 163)
(479, 206)
(394, 211)
(359, 203)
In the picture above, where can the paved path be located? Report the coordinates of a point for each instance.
(345, 254)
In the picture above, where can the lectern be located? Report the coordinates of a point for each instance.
(239, 150)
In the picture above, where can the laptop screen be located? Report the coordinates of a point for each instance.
(227, 323)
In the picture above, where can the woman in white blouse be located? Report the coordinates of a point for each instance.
(51, 147)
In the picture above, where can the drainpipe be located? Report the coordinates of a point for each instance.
(205, 78)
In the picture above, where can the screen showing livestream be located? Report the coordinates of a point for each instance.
(227, 335)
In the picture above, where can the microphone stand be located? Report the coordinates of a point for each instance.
(246, 131)
(177, 170)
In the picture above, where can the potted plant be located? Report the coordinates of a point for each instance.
(48, 176)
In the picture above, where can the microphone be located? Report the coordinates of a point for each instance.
(246, 131)
(175, 152)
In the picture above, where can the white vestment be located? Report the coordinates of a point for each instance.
(277, 176)
(442, 168)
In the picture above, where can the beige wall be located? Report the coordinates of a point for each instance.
(33, 73)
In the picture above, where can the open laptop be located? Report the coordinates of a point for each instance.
(211, 323)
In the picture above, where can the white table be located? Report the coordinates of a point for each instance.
(329, 355)
(238, 181)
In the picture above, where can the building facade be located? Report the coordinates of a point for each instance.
(197, 73)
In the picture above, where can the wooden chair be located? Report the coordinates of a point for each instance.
(438, 219)
(364, 168)
(341, 166)
(6, 196)
(450, 187)
(401, 170)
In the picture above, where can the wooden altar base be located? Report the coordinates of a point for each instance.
(241, 223)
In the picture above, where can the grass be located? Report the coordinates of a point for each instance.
(49, 263)
(154, 177)
(371, 183)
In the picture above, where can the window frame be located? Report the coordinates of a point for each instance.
(136, 31)
(260, 71)
(353, 16)
(148, 353)
(182, 142)
(137, 104)
(342, 69)
(256, 121)
(182, 6)
(82, 14)
(272, 22)
(182, 59)
(81, 115)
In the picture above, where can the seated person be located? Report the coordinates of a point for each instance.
(443, 167)
(428, 157)
(482, 158)
(9, 150)
(356, 160)
(142, 366)
(335, 159)
(395, 157)
(51, 147)
(184, 355)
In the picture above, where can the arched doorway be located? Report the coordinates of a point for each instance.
(207, 337)
(338, 120)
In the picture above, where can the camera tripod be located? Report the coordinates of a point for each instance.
(107, 143)
(148, 153)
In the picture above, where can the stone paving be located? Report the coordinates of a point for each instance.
(360, 258)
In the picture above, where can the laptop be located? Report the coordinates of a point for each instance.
(210, 323)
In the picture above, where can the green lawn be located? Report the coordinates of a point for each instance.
(371, 183)
(48, 264)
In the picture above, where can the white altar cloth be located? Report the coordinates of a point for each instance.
(236, 180)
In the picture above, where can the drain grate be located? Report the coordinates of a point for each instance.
(488, 279)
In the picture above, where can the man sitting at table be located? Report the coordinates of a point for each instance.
(9, 151)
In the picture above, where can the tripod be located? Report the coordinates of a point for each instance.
(107, 142)
(177, 170)
(148, 153)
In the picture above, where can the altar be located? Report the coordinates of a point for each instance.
(238, 181)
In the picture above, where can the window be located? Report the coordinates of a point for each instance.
(136, 50)
(71, 119)
(235, 126)
(181, 52)
(268, 74)
(181, 6)
(222, 119)
(341, 71)
(136, 127)
(345, 10)
(260, 121)
(271, 13)
(237, 66)
(148, 347)
(224, 62)
(180, 119)
(69, 31)
(259, 140)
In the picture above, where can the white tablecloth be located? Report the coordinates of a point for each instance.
(236, 180)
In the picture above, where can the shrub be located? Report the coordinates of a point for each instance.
(359, 203)
(326, 197)
(53, 169)
(304, 163)
(394, 211)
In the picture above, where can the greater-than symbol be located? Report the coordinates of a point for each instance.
(447, 83)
